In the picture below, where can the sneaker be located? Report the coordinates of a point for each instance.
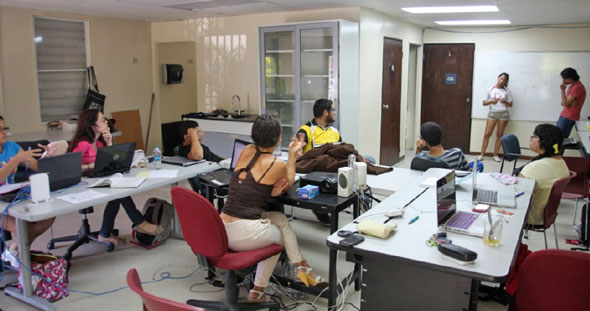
(11, 256)
(479, 158)
(497, 158)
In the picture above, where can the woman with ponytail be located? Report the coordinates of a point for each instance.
(545, 169)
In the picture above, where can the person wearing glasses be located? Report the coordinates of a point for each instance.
(11, 157)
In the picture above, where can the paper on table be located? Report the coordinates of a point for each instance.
(144, 174)
(82, 196)
(163, 173)
(7, 188)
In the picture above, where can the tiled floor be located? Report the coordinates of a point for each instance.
(94, 270)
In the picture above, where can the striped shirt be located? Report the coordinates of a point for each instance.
(454, 158)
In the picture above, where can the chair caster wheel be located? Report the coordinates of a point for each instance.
(50, 245)
(110, 248)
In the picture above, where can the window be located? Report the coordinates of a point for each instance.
(61, 67)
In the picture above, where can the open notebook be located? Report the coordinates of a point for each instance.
(118, 181)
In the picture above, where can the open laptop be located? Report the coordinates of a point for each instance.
(446, 210)
(63, 170)
(221, 177)
(179, 160)
(492, 197)
(112, 159)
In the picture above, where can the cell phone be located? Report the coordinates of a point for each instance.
(352, 240)
(481, 208)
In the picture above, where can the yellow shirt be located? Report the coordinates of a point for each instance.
(317, 135)
(545, 172)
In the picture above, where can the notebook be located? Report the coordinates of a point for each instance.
(446, 210)
(222, 176)
(63, 170)
(181, 161)
(112, 159)
(118, 181)
(492, 197)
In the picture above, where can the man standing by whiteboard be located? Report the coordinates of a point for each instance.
(572, 100)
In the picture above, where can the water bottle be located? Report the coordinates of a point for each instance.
(157, 154)
(351, 160)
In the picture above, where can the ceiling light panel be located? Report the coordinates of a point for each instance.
(474, 22)
(452, 9)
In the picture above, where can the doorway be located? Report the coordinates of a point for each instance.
(391, 102)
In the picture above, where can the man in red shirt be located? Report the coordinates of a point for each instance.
(572, 100)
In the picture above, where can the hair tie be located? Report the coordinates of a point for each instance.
(556, 148)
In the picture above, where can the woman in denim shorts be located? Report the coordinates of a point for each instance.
(498, 99)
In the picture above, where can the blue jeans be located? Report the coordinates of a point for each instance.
(565, 125)
(111, 211)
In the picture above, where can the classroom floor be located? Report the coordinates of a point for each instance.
(94, 270)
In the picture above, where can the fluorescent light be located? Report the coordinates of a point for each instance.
(452, 9)
(474, 22)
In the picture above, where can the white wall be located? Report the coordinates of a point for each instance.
(535, 39)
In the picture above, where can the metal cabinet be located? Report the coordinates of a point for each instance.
(300, 63)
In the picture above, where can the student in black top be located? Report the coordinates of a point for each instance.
(191, 147)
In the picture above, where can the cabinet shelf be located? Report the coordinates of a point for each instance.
(281, 100)
(316, 50)
(280, 51)
(316, 76)
(280, 76)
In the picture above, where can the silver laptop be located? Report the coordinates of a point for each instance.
(446, 210)
(181, 161)
(491, 197)
(222, 177)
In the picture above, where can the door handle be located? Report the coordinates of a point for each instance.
(468, 100)
(385, 106)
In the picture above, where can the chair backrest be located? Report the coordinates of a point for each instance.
(550, 212)
(422, 163)
(154, 303)
(33, 144)
(510, 144)
(580, 184)
(201, 225)
(554, 279)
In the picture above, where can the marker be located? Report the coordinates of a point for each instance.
(413, 220)
(519, 194)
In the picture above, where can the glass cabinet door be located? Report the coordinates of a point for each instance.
(279, 79)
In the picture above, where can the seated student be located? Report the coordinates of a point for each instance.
(319, 130)
(430, 136)
(12, 156)
(93, 133)
(192, 147)
(545, 169)
(258, 176)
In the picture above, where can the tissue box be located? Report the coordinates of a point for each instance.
(308, 192)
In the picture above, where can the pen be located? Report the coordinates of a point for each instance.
(413, 220)
(27, 164)
(519, 194)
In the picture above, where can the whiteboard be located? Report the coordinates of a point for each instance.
(534, 81)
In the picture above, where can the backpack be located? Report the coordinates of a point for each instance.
(584, 226)
(158, 212)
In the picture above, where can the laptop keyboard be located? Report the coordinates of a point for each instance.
(221, 175)
(462, 220)
(489, 196)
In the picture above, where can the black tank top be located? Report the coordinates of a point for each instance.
(246, 197)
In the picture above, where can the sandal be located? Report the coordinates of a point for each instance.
(257, 296)
(304, 276)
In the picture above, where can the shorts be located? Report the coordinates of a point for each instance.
(499, 115)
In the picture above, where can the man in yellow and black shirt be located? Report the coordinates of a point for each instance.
(318, 131)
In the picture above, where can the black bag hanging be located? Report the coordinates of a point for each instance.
(94, 100)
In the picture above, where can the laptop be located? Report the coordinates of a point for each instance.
(63, 170)
(112, 159)
(446, 210)
(221, 177)
(491, 197)
(181, 161)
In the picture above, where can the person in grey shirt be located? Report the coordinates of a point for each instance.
(430, 137)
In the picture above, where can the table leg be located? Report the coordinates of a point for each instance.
(332, 279)
(27, 295)
(355, 209)
(177, 231)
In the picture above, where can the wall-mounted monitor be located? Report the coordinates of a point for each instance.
(172, 73)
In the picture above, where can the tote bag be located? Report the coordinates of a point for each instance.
(94, 100)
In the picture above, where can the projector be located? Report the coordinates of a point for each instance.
(328, 182)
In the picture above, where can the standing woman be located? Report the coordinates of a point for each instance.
(93, 133)
(498, 99)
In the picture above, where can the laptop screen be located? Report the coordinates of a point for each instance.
(446, 202)
(114, 159)
(474, 180)
(239, 145)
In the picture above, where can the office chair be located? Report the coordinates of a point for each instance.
(553, 280)
(154, 303)
(550, 212)
(22, 174)
(422, 163)
(205, 233)
(578, 187)
(511, 148)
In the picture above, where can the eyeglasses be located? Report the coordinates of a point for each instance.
(4, 129)
(534, 136)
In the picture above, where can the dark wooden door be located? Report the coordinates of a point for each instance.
(390, 101)
(447, 75)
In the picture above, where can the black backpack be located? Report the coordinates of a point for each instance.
(158, 212)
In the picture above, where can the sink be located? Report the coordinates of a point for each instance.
(237, 116)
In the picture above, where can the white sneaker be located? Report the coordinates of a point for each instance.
(497, 158)
(10, 255)
(479, 158)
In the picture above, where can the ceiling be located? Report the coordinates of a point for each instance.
(519, 12)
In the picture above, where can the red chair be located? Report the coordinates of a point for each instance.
(154, 303)
(554, 280)
(204, 232)
(550, 212)
(579, 186)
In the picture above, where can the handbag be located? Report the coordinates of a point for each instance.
(94, 100)
(49, 277)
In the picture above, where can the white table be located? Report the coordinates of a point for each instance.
(401, 272)
(27, 211)
(583, 126)
(388, 183)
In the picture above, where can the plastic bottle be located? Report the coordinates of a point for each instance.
(157, 154)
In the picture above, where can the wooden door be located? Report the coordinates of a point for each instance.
(447, 75)
(391, 101)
